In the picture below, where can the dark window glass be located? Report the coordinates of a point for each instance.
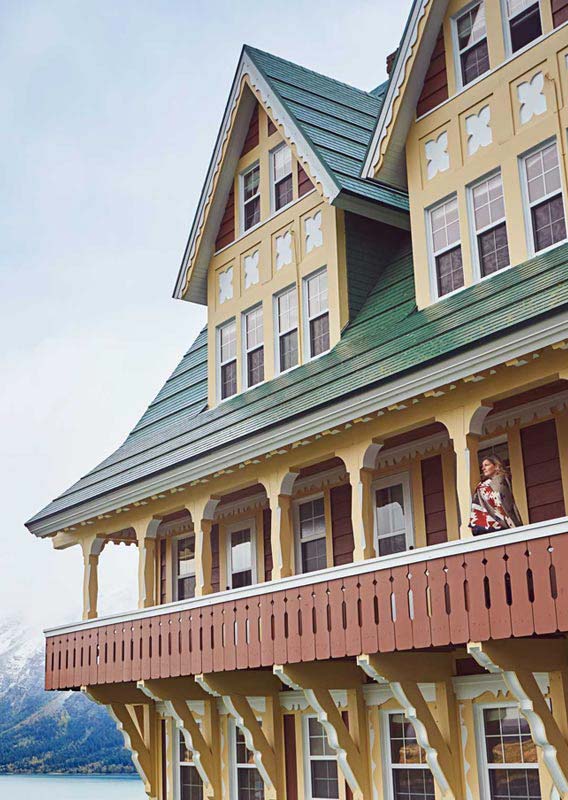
(288, 350)
(191, 784)
(186, 588)
(520, 784)
(416, 783)
(474, 62)
(493, 249)
(249, 785)
(549, 226)
(449, 270)
(525, 27)
(241, 558)
(255, 366)
(314, 555)
(324, 779)
(283, 192)
(319, 335)
(228, 379)
(252, 213)
(472, 43)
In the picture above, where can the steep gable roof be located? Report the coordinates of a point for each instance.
(328, 123)
(388, 346)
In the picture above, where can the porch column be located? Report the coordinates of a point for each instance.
(360, 464)
(203, 515)
(279, 488)
(146, 530)
(92, 548)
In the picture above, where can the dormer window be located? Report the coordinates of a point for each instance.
(253, 335)
(227, 354)
(317, 313)
(446, 252)
(281, 177)
(471, 44)
(523, 22)
(250, 197)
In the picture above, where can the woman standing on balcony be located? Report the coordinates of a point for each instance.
(493, 506)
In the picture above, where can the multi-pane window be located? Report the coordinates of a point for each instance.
(185, 567)
(510, 757)
(281, 170)
(190, 783)
(393, 516)
(227, 347)
(287, 324)
(253, 335)
(446, 246)
(321, 761)
(410, 775)
(250, 187)
(471, 34)
(524, 22)
(544, 192)
(241, 571)
(248, 783)
(490, 225)
(317, 309)
(311, 534)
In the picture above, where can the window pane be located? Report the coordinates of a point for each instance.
(312, 518)
(449, 270)
(317, 294)
(507, 737)
(525, 23)
(250, 182)
(471, 26)
(548, 223)
(288, 350)
(319, 335)
(254, 328)
(282, 163)
(283, 193)
(252, 213)
(319, 745)
(493, 250)
(229, 379)
(474, 62)
(325, 783)
(244, 755)
(287, 310)
(488, 202)
(390, 510)
(228, 341)
(314, 555)
(415, 784)
(186, 588)
(255, 367)
(445, 225)
(514, 784)
(249, 785)
(191, 784)
(186, 556)
(543, 173)
(241, 550)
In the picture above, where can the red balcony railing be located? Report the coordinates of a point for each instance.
(495, 587)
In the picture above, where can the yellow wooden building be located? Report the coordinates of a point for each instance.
(386, 281)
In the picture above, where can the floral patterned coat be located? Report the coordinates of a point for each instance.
(493, 505)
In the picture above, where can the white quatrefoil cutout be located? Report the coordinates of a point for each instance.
(437, 155)
(283, 250)
(478, 130)
(532, 98)
(226, 285)
(314, 234)
(251, 269)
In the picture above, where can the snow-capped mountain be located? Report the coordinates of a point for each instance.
(49, 731)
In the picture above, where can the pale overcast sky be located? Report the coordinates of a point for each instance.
(110, 111)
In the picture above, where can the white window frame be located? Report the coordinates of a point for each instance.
(482, 762)
(506, 19)
(242, 202)
(233, 766)
(306, 317)
(273, 209)
(175, 572)
(278, 370)
(298, 532)
(177, 738)
(432, 254)
(234, 527)
(384, 483)
(308, 759)
(388, 766)
(246, 350)
(456, 46)
(231, 321)
(527, 207)
(474, 233)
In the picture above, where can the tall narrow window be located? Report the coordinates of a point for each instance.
(227, 348)
(410, 775)
(524, 22)
(281, 173)
(254, 346)
(393, 515)
(446, 246)
(317, 309)
(509, 756)
(240, 560)
(490, 225)
(190, 783)
(185, 567)
(311, 550)
(544, 191)
(471, 34)
(248, 784)
(250, 201)
(321, 763)
(287, 324)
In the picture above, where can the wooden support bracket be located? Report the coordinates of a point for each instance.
(316, 684)
(401, 679)
(516, 664)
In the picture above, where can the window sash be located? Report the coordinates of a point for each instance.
(281, 172)
(474, 42)
(179, 576)
(253, 341)
(246, 571)
(310, 758)
(407, 529)
(316, 305)
(547, 196)
(286, 323)
(494, 223)
(227, 356)
(238, 767)
(253, 198)
(306, 537)
(525, 9)
(393, 767)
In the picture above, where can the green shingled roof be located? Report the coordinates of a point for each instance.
(387, 338)
(337, 120)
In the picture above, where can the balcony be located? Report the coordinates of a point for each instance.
(503, 585)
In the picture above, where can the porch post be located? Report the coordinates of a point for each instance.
(92, 548)
(146, 531)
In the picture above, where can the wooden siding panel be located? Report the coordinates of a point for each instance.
(226, 232)
(435, 87)
(543, 476)
(434, 507)
(342, 528)
(252, 138)
(559, 12)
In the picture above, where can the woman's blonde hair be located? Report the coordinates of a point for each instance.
(497, 463)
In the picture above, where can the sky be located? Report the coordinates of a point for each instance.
(110, 112)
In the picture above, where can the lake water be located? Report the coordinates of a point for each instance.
(70, 787)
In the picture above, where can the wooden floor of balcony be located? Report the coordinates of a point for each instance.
(512, 584)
